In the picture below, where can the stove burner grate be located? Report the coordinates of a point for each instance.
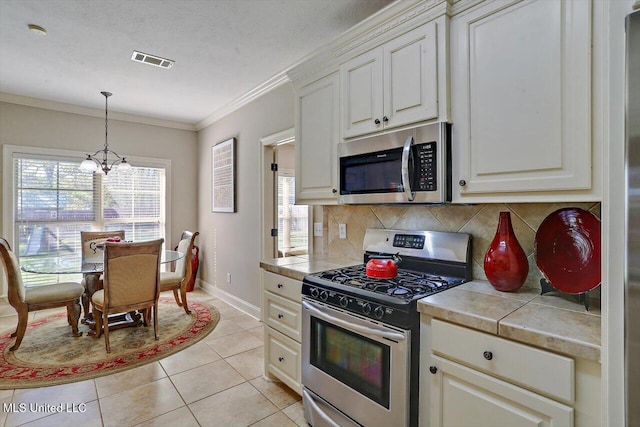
(406, 285)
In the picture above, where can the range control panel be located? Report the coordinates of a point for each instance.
(425, 161)
(411, 241)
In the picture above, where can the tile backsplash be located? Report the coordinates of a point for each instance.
(479, 220)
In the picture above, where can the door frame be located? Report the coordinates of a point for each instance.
(266, 187)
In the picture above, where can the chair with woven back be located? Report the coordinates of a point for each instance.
(131, 282)
(26, 299)
(178, 279)
(91, 253)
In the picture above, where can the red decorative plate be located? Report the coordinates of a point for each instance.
(567, 250)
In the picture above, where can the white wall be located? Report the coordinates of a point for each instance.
(37, 127)
(230, 242)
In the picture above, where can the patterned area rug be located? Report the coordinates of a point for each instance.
(50, 355)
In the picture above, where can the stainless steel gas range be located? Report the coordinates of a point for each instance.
(361, 334)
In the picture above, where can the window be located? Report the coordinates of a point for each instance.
(53, 201)
(293, 222)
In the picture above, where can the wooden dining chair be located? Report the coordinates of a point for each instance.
(25, 299)
(90, 253)
(131, 282)
(178, 279)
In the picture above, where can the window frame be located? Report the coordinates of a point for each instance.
(8, 186)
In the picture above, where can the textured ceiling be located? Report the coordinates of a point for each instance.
(222, 49)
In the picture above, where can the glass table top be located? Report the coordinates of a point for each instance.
(74, 264)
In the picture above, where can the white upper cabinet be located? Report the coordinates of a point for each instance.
(395, 84)
(317, 134)
(521, 100)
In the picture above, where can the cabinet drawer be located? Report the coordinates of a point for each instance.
(283, 314)
(283, 358)
(283, 286)
(532, 368)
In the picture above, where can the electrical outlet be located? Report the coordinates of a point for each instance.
(229, 278)
(342, 229)
(317, 229)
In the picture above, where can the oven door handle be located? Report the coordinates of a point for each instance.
(406, 180)
(317, 410)
(394, 336)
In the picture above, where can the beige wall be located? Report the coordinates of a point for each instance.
(36, 127)
(230, 242)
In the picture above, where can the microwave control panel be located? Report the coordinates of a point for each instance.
(425, 172)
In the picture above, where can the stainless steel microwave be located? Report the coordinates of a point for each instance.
(410, 166)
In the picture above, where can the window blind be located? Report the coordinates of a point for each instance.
(292, 218)
(54, 201)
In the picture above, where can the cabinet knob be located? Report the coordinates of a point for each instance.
(376, 121)
(334, 191)
(279, 285)
(462, 183)
(487, 355)
(433, 369)
(280, 359)
(385, 119)
(280, 316)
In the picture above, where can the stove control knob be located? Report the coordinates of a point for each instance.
(379, 312)
(315, 292)
(324, 295)
(344, 302)
(366, 308)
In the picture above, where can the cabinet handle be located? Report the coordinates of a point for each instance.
(487, 355)
(385, 119)
(280, 316)
(433, 369)
(334, 191)
(376, 121)
(462, 183)
(280, 359)
(279, 285)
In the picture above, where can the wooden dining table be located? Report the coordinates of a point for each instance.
(72, 264)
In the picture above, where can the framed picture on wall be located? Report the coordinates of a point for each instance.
(223, 176)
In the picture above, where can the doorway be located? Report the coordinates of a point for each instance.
(285, 225)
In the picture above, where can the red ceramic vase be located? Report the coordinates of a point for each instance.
(505, 262)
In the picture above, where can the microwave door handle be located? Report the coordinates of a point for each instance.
(406, 182)
(394, 336)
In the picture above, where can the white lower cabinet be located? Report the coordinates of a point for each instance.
(461, 396)
(283, 359)
(281, 310)
(471, 378)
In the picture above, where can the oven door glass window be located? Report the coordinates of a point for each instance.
(359, 362)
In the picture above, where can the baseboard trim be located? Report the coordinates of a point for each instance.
(230, 299)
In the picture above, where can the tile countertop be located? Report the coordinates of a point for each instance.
(554, 322)
(296, 267)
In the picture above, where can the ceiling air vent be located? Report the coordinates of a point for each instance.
(145, 58)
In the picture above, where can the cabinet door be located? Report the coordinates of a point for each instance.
(461, 396)
(362, 94)
(521, 97)
(317, 133)
(283, 359)
(411, 77)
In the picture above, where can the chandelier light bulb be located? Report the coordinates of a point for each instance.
(102, 165)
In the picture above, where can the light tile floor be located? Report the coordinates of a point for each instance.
(216, 382)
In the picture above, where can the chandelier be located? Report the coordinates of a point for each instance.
(92, 162)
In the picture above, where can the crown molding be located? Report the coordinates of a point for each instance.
(390, 22)
(274, 82)
(92, 112)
